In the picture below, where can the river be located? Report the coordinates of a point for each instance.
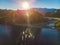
(13, 35)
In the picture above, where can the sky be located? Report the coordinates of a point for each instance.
(16, 4)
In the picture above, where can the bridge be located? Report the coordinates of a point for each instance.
(35, 26)
(30, 26)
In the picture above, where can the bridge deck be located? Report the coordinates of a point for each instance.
(32, 26)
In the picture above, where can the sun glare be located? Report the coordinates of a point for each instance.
(25, 6)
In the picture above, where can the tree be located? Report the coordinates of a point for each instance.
(13, 17)
(35, 17)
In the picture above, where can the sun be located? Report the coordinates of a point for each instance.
(25, 5)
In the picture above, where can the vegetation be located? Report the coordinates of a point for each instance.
(19, 17)
(57, 25)
(53, 14)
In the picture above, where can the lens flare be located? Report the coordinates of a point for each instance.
(25, 5)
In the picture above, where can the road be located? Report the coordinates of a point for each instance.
(51, 18)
